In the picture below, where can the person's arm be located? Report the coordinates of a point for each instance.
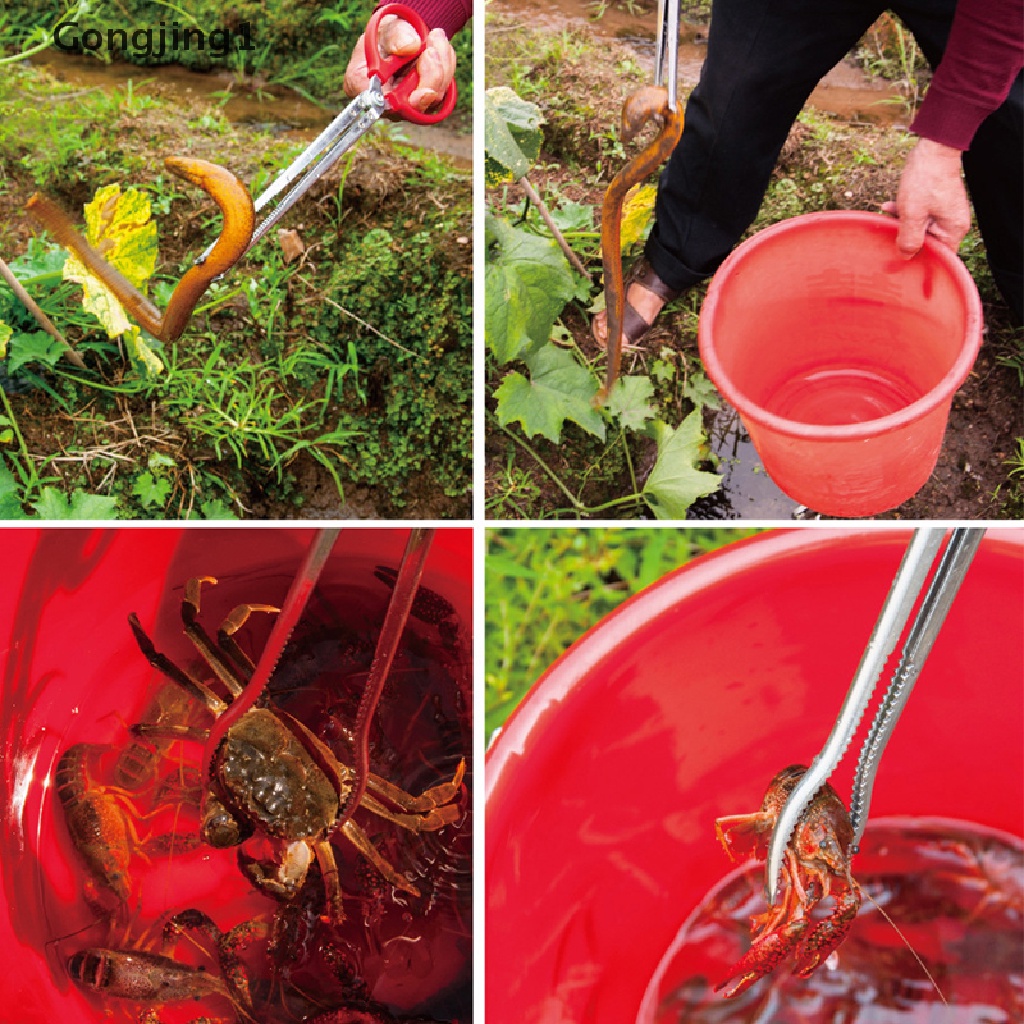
(436, 65)
(983, 56)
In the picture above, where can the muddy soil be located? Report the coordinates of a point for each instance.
(858, 168)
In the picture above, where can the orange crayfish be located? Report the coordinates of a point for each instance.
(816, 865)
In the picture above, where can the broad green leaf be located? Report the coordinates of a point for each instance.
(527, 284)
(40, 260)
(512, 135)
(630, 401)
(572, 216)
(637, 211)
(140, 352)
(37, 347)
(215, 508)
(151, 490)
(559, 389)
(675, 482)
(10, 503)
(5, 336)
(702, 392)
(119, 228)
(53, 505)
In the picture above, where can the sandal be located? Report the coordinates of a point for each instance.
(634, 326)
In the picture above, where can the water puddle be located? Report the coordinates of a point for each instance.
(846, 90)
(747, 491)
(271, 108)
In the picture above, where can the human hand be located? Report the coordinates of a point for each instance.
(931, 199)
(436, 65)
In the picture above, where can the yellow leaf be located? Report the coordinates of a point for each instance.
(5, 336)
(637, 210)
(119, 228)
(140, 352)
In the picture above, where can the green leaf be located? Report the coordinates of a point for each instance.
(53, 505)
(37, 347)
(10, 500)
(699, 390)
(572, 216)
(151, 490)
(675, 482)
(559, 389)
(215, 508)
(629, 401)
(140, 352)
(526, 287)
(5, 336)
(512, 135)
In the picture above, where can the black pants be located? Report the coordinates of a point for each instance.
(764, 59)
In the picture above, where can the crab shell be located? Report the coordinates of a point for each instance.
(265, 779)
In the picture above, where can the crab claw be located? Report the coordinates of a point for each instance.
(764, 955)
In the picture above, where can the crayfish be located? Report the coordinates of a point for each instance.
(816, 865)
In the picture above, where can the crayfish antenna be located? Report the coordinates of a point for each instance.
(905, 941)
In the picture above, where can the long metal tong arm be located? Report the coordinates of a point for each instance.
(317, 158)
(956, 559)
(906, 587)
(666, 49)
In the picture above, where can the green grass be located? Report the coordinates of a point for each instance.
(545, 587)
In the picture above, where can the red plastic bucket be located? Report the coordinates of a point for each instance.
(841, 357)
(603, 787)
(71, 672)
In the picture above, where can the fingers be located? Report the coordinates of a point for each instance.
(931, 199)
(436, 65)
(436, 68)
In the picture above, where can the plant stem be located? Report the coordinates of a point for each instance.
(576, 503)
(39, 316)
(535, 198)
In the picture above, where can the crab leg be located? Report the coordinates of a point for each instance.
(199, 690)
(227, 673)
(361, 841)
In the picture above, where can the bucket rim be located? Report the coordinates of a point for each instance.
(941, 393)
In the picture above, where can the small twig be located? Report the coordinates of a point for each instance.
(362, 322)
(40, 317)
(553, 227)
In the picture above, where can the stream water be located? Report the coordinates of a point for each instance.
(267, 107)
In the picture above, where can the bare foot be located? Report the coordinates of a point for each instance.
(647, 303)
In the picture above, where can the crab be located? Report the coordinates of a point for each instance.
(271, 777)
(816, 865)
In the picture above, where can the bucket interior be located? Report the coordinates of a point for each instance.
(604, 787)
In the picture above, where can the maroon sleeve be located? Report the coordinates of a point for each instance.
(449, 15)
(984, 54)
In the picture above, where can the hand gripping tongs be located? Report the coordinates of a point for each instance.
(906, 588)
(354, 121)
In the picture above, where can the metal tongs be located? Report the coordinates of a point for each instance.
(666, 49)
(354, 121)
(299, 593)
(906, 588)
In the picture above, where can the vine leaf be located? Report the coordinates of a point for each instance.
(526, 287)
(559, 389)
(512, 135)
(52, 504)
(117, 225)
(630, 401)
(675, 482)
(33, 347)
